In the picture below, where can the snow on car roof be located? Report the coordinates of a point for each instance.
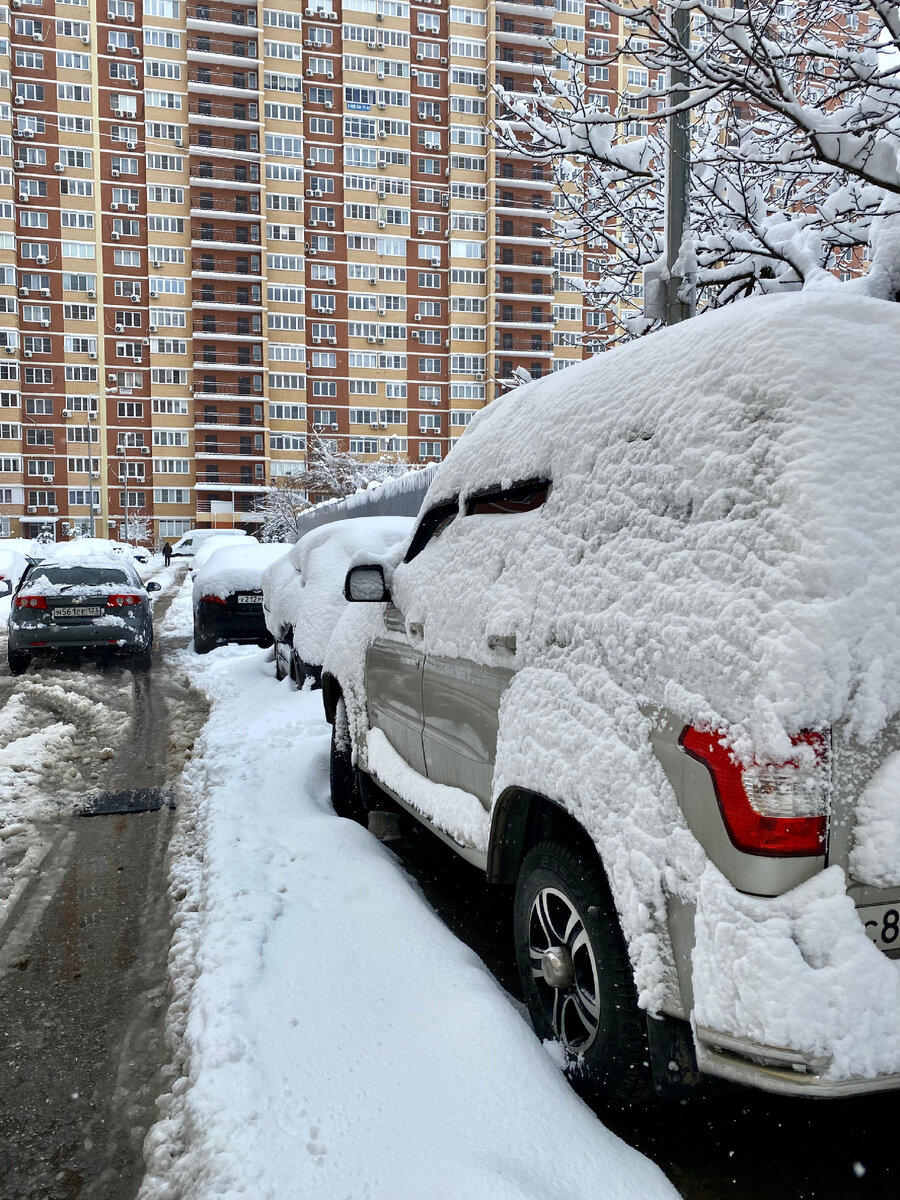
(720, 535)
(232, 568)
(348, 536)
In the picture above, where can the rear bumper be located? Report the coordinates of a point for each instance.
(130, 634)
(778, 1069)
(221, 624)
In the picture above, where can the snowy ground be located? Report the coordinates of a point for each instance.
(331, 1038)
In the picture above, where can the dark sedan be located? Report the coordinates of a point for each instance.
(89, 605)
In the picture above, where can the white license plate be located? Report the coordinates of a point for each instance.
(83, 611)
(882, 923)
(248, 599)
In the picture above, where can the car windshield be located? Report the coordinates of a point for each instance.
(78, 576)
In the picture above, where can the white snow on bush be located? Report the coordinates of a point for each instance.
(333, 1038)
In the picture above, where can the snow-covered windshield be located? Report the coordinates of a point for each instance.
(78, 576)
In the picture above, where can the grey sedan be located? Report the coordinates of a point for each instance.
(87, 605)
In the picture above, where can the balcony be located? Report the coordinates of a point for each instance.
(203, 327)
(533, 204)
(508, 345)
(538, 26)
(241, 173)
(240, 235)
(223, 80)
(221, 14)
(234, 143)
(234, 206)
(508, 288)
(208, 387)
(223, 47)
(243, 356)
(230, 297)
(216, 265)
(537, 260)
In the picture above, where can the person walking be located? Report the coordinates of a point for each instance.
(166, 553)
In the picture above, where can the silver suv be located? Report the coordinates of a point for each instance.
(627, 666)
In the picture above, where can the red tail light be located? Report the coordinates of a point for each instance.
(122, 600)
(31, 602)
(213, 600)
(778, 809)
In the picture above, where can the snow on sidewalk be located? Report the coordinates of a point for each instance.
(334, 1040)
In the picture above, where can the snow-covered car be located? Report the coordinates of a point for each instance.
(187, 546)
(91, 603)
(303, 592)
(641, 660)
(210, 545)
(228, 594)
(12, 567)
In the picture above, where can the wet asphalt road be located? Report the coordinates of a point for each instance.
(739, 1146)
(83, 989)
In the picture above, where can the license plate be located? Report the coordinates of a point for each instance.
(248, 599)
(83, 611)
(882, 923)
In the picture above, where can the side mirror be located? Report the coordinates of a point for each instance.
(365, 585)
(153, 586)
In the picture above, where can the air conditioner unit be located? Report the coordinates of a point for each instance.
(91, 294)
(382, 224)
(443, 62)
(312, 253)
(47, 478)
(85, 39)
(479, 377)
(145, 341)
(331, 224)
(41, 260)
(156, 265)
(152, 328)
(19, 164)
(45, 324)
(334, 425)
(95, 474)
(328, 104)
(114, 206)
(24, 292)
(145, 449)
(115, 173)
(381, 341)
(120, 329)
(131, 145)
(115, 236)
(133, 82)
(59, 168)
(52, 508)
(414, 333)
(329, 74)
(309, 72)
(31, 509)
(152, 294)
(27, 134)
(307, 42)
(111, 47)
(111, 377)
(312, 224)
(332, 341)
(24, 197)
(9, 349)
(92, 354)
(135, 50)
(371, 341)
(317, 341)
(381, 74)
(373, 282)
(135, 299)
(310, 162)
(137, 358)
(20, 100)
(67, 412)
(37, 37)
(382, 105)
(132, 208)
(482, 87)
(445, 200)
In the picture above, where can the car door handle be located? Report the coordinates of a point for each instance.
(498, 641)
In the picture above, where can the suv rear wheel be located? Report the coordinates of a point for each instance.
(283, 657)
(575, 972)
(346, 793)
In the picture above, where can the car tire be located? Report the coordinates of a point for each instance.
(575, 972)
(202, 644)
(283, 654)
(346, 793)
(19, 661)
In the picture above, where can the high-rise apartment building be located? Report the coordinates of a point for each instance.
(227, 226)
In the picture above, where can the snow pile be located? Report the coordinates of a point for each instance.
(334, 1039)
(234, 568)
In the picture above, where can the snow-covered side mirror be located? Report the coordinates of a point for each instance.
(365, 585)
(153, 586)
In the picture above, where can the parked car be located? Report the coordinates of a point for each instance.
(92, 604)
(12, 566)
(187, 546)
(228, 595)
(303, 592)
(641, 661)
(210, 545)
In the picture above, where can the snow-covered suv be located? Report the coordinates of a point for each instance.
(642, 660)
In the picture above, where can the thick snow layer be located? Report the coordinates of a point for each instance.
(798, 971)
(305, 590)
(234, 568)
(334, 1039)
(875, 857)
(210, 545)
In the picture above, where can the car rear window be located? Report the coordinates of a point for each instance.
(86, 576)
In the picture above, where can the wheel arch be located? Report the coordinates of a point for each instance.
(521, 818)
(331, 694)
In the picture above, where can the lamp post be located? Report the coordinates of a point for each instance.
(91, 416)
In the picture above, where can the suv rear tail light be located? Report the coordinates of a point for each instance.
(30, 602)
(213, 599)
(777, 809)
(121, 600)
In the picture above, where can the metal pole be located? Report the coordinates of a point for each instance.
(125, 462)
(678, 175)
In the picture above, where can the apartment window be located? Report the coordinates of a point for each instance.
(130, 408)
